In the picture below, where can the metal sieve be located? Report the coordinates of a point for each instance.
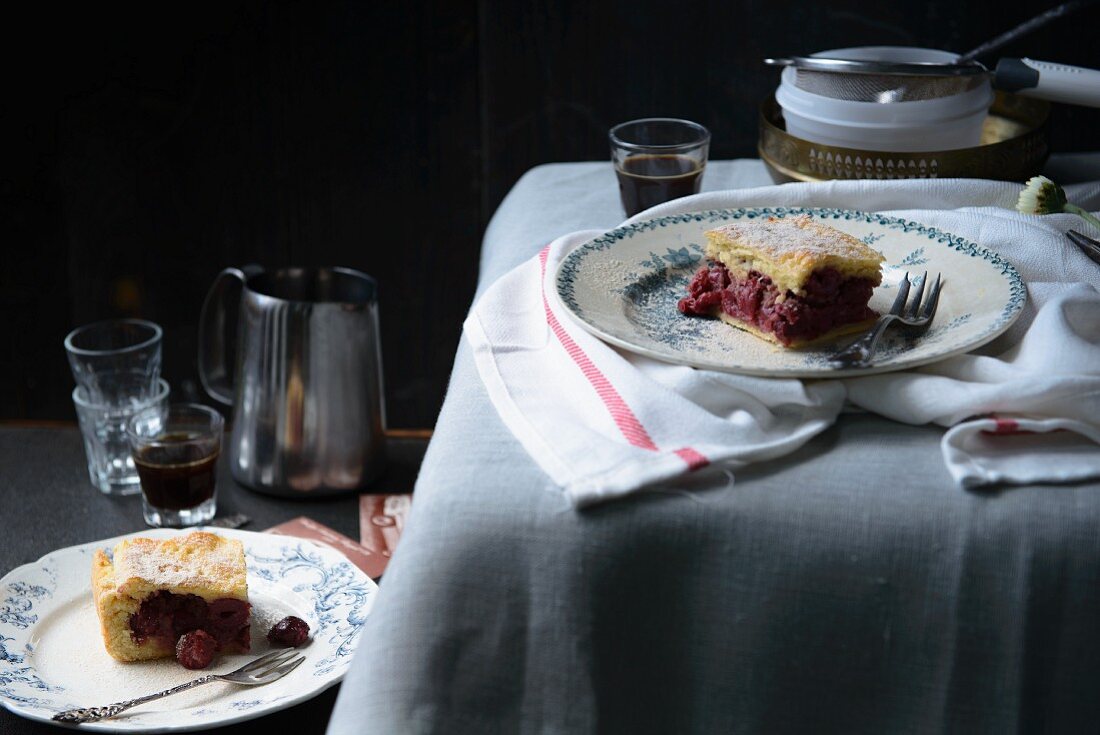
(884, 88)
(903, 75)
(866, 79)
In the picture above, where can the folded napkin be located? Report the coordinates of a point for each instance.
(603, 422)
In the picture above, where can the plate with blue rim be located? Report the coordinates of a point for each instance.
(52, 656)
(624, 287)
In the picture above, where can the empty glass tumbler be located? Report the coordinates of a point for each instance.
(116, 365)
(103, 428)
(117, 361)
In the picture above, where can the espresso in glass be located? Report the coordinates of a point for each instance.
(648, 180)
(175, 450)
(176, 473)
(658, 159)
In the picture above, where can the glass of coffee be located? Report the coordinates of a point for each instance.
(658, 159)
(175, 450)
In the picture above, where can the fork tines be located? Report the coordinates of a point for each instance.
(913, 316)
(262, 667)
(929, 309)
(269, 660)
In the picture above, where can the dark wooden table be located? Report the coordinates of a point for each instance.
(48, 503)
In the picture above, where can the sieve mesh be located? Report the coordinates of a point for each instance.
(883, 88)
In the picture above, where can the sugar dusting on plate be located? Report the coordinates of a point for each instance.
(68, 647)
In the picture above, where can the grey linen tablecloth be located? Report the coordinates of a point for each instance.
(850, 587)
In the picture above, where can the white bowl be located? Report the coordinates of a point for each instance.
(941, 124)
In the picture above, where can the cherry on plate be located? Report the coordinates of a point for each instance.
(195, 650)
(290, 631)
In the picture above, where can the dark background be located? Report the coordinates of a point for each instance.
(145, 148)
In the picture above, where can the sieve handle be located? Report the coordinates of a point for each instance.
(1028, 26)
(1045, 80)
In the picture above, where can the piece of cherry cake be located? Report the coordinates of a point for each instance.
(789, 280)
(150, 592)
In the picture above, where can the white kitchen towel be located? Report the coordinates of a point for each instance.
(604, 422)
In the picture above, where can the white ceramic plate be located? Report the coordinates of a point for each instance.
(52, 656)
(623, 287)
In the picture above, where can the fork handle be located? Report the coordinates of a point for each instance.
(860, 351)
(94, 714)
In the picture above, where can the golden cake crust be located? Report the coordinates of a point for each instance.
(200, 563)
(789, 249)
(839, 331)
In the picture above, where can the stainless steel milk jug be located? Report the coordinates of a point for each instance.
(297, 354)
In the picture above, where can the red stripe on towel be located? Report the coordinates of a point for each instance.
(1008, 426)
(1003, 426)
(623, 417)
(693, 458)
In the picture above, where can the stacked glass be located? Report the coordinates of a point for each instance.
(116, 365)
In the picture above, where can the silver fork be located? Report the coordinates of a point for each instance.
(264, 670)
(1088, 245)
(914, 320)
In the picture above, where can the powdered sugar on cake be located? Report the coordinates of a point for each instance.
(776, 238)
(789, 251)
(161, 565)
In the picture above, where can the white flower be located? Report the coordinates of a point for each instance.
(1043, 196)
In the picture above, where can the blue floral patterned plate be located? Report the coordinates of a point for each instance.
(52, 656)
(623, 287)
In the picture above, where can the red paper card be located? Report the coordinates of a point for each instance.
(381, 520)
(371, 562)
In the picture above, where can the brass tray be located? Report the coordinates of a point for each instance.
(1013, 148)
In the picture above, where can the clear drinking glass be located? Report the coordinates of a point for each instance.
(658, 159)
(103, 428)
(116, 361)
(176, 454)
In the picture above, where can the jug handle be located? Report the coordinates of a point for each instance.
(219, 311)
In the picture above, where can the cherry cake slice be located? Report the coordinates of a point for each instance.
(789, 280)
(149, 592)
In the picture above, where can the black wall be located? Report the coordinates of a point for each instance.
(145, 147)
